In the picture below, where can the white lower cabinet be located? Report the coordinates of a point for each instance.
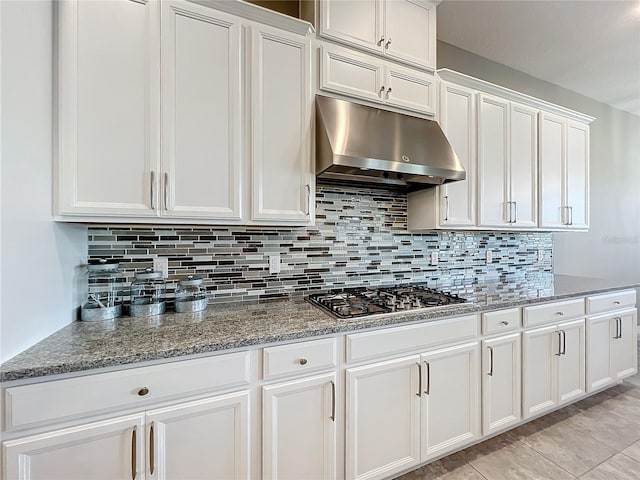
(299, 429)
(196, 440)
(611, 348)
(553, 366)
(107, 450)
(501, 382)
(383, 418)
(406, 411)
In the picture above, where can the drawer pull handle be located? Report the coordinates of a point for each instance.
(616, 303)
(134, 453)
(152, 450)
(303, 361)
(491, 366)
(559, 343)
(560, 314)
(564, 342)
(428, 389)
(504, 322)
(419, 379)
(143, 391)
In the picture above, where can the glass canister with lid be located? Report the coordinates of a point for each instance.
(147, 294)
(191, 295)
(104, 291)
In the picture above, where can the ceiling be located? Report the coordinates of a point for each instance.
(589, 46)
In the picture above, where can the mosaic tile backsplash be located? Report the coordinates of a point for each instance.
(360, 238)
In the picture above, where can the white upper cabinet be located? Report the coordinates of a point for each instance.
(108, 108)
(162, 120)
(201, 93)
(507, 163)
(404, 30)
(369, 78)
(564, 173)
(282, 182)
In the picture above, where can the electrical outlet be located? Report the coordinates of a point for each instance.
(161, 264)
(540, 256)
(489, 257)
(274, 263)
(434, 258)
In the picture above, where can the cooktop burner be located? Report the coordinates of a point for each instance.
(359, 302)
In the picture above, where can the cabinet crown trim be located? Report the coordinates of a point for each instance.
(508, 94)
(259, 14)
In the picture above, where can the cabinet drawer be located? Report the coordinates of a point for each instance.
(299, 357)
(500, 321)
(48, 402)
(368, 345)
(553, 312)
(611, 301)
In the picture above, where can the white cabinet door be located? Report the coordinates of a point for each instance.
(107, 450)
(354, 22)
(493, 161)
(410, 89)
(299, 429)
(624, 345)
(571, 369)
(552, 160)
(451, 400)
(539, 370)
(108, 108)
(577, 175)
(501, 383)
(458, 121)
(410, 31)
(600, 333)
(383, 423)
(201, 117)
(523, 166)
(200, 440)
(282, 181)
(347, 73)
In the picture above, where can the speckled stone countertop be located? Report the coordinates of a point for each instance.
(83, 346)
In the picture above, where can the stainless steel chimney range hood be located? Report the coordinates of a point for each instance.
(366, 145)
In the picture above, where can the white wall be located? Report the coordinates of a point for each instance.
(39, 257)
(611, 247)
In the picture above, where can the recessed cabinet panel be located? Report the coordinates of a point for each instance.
(201, 113)
(493, 161)
(571, 368)
(410, 31)
(281, 105)
(355, 22)
(577, 175)
(350, 74)
(523, 166)
(539, 372)
(108, 108)
(410, 89)
(624, 349)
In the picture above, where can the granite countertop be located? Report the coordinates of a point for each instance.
(83, 346)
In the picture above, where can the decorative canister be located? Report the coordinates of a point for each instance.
(104, 291)
(147, 294)
(191, 295)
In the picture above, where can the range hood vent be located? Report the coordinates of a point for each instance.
(366, 145)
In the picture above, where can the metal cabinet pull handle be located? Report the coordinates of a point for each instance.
(491, 363)
(389, 90)
(386, 45)
(560, 314)
(504, 322)
(153, 190)
(616, 303)
(570, 215)
(134, 453)
(559, 343)
(515, 212)
(620, 320)
(152, 450)
(308, 187)
(381, 92)
(509, 215)
(446, 208)
(419, 379)
(166, 191)
(381, 41)
(564, 342)
(428, 389)
(303, 361)
(333, 401)
(143, 391)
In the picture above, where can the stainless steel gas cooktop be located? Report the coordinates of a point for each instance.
(359, 302)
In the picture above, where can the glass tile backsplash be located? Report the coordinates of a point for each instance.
(360, 238)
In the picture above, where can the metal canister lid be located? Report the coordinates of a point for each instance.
(148, 274)
(191, 280)
(103, 265)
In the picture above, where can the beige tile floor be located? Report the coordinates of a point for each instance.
(597, 438)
